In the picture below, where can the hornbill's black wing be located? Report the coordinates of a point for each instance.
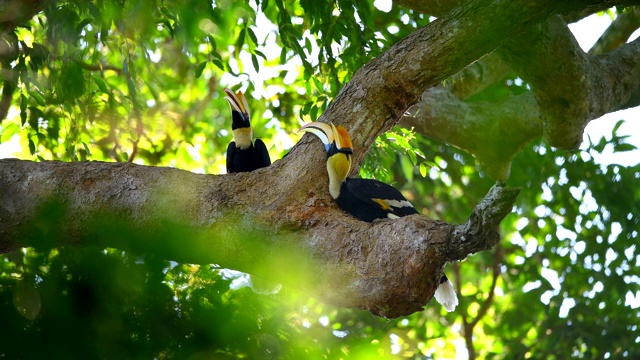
(263, 159)
(231, 153)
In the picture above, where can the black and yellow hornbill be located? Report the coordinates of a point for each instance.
(366, 199)
(243, 154)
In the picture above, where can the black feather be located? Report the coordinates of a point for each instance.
(254, 157)
(357, 198)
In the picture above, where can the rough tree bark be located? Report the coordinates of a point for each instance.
(570, 88)
(618, 32)
(280, 221)
(15, 12)
(279, 231)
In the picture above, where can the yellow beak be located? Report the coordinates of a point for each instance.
(237, 102)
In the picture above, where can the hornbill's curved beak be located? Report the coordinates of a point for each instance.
(238, 103)
(330, 135)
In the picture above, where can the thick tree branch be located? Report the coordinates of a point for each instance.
(477, 76)
(435, 7)
(439, 8)
(293, 236)
(15, 12)
(8, 86)
(425, 58)
(482, 224)
(618, 32)
(572, 88)
(8, 53)
(493, 132)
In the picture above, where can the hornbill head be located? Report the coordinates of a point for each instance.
(240, 123)
(339, 150)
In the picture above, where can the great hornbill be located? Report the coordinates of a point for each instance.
(243, 154)
(366, 199)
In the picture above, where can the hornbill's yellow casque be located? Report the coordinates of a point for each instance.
(366, 199)
(243, 154)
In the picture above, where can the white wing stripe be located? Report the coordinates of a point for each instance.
(398, 203)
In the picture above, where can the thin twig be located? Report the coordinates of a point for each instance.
(101, 67)
(486, 305)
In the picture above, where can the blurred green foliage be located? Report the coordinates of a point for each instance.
(141, 80)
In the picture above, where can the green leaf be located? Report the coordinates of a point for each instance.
(214, 45)
(254, 60)
(23, 117)
(218, 64)
(317, 83)
(35, 114)
(412, 157)
(53, 128)
(423, 169)
(617, 126)
(23, 109)
(307, 44)
(240, 40)
(200, 69)
(23, 102)
(71, 151)
(313, 113)
(599, 147)
(125, 66)
(8, 131)
(306, 108)
(86, 148)
(32, 147)
(432, 164)
(37, 97)
(252, 36)
(624, 147)
(102, 86)
(82, 24)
